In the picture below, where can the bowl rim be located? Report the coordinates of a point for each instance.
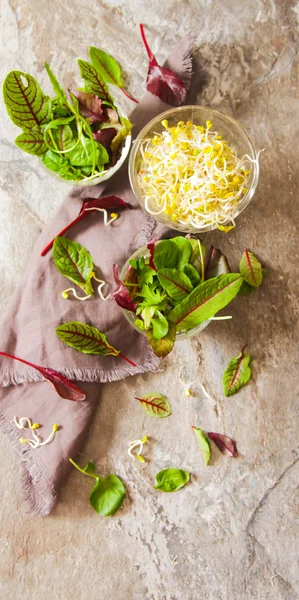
(245, 199)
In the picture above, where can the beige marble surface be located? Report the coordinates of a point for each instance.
(233, 533)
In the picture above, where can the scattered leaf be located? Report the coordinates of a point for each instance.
(85, 338)
(155, 405)
(203, 443)
(251, 269)
(171, 480)
(107, 494)
(225, 444)
(237, 374)
(74, 262)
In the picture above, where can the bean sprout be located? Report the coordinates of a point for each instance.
(193, 176)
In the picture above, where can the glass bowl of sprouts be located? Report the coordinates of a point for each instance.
(194, 169)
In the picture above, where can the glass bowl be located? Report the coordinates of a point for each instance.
(131, 316)
(230, 130)
(101, 178)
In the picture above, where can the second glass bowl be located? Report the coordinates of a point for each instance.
(230, 130)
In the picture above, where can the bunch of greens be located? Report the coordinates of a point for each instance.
(178, 285)
(78, 135)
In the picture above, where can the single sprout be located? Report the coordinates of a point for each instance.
(193, 176)
(113, 216)
(92, 276)
(66, 296)
(138, 444)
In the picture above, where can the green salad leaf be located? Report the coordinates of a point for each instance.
(160, 325)
(175, 283)
(107, 494)
(185, 250)
(155, 405)
(203, 443)
(107, 66)
(32, 142)
(215, 263)
(166, 255)
(192, 274)
(251, 269)
(205, 300)
(27, 105)
(60, 93)
(163, 346)
(237, 374)
(74, 262)
(171, 480)
(85, 338)
(95, 83)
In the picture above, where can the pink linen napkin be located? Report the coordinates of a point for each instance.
(37, 308)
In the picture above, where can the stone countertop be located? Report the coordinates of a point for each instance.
(231, 533)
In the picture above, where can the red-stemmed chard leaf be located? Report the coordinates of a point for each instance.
(237, 374)
(90, 107)
(121, 294)
(225, 444)
(88, 206)
(151, 248)
(162, 82)
(63, 386)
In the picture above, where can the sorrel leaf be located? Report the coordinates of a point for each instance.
(251, 269)
(185, 250)
(74, 262)
(155, 405)
(205, 301)
(32, 142)
(225, 444)
(106, 66)
(107, 494)
(246, 288)
(165, 255)
(121, 294)
(215, 263)
(237, 374)
(163, 346)
(90, 205)
(159, 324)
(171, 480)
(96, 83)
(26, 104)
(175, 283)
(85, 338)
(203, 443)
(162, 82)
(63, 386)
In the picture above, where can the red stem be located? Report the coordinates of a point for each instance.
(127, 359)
(244, 348)
(149, 52)
(19, 359)
(49, 246)
(128, 96)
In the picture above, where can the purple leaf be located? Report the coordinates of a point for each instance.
(225, 444)
(105, 136)
(162, 82)
(121, 294)
(90, 107)
(215, 263)
(151, 248)
(63, 386)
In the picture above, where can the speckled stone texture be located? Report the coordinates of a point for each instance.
(232, 534)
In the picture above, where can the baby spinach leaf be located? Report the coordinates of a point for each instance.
(205, 301)
(55, 162)
(160, 325)
(74, 262)
(171, 480)
(166, 255)
(63, 137)
(96, 83)
(185, 250)
(155, 405)
(85, 338)
(175, 283)
(82, 154)
(225, 444)
(192, 273)
(203, 443)
(237, 374)
(32, 142)
(215, 263)
(107, 494)
(26, 104)
(107, 66)
(251, 269)
(163, 346)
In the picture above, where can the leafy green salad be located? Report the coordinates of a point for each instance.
(79, 134)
